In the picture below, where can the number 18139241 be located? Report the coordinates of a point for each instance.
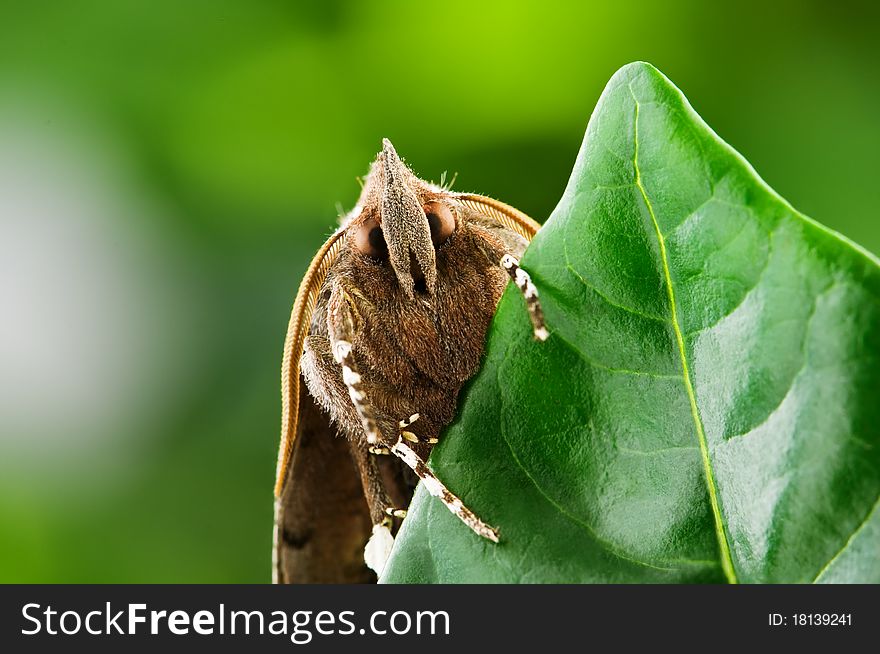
(810, 620)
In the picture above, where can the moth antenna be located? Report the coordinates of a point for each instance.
(533, 303)
(503, 214)
(438, 489)
(297, 330)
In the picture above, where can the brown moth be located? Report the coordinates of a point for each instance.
(388, 324)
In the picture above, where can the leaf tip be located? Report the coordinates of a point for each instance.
(635, 69)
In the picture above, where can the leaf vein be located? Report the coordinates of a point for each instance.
(794, 379)
(748, 294)
(602, 296)
(610, 547)
(848, 542)
(724, 546)
(662, 450)
(606, 368)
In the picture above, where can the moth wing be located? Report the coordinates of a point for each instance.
(321, 519)
(501, 213)
(297, 330)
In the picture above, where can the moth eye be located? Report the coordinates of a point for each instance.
(370, 240)
(440, 220)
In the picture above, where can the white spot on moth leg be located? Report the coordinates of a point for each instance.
(411, 437)
(378, 548)
(409, 457)
(508, 262)
(406, 423)
(433, 486)
(341, 350)
(350, 377)
(542, 334)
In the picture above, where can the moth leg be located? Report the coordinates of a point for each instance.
(378, 548)
(342, 334)
(438, 489)
(410, 436)
(533, 303)
(377, 496)
(381, 532)
(381, 541)
(322, 375)
(354, 383)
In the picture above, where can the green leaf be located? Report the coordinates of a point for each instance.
(706, 408)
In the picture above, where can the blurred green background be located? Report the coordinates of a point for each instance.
(167, 170)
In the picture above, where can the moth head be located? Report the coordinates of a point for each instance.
(402, 221)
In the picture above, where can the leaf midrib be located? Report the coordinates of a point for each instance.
(721, 535)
